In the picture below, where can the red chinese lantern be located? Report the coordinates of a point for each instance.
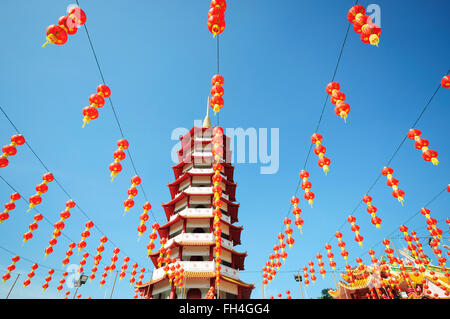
(306, 186)
(288, 231)
(305, 275)
(96, 101)
(68, 25)
(320, 150)
(119, 155)
(312, 271)
(435, 232)
(355, 228)
(62, 281)
(114, 259)
(370, 33)
(330, 256)
(216, 101)
(40, 189)
(10, 149)
(69, 253)
(341, 244)
(143, 217)
(152, 236)
(296, 211)
(372, 211)
(55, 35)
(104, 275)
(76, 15)
(124, 267)
(83, 262)
(32, 227)
(10, 268)
(30, 275)
(132, 192)
(85, 234)
(393, 182)
(337, 98)
(141, 276)
(216, 17)
(422, 144)
(445, 82)
(389, 252)
(59, 226)
(321, 264)
(9, 207)
(48, 279)
(362, 23)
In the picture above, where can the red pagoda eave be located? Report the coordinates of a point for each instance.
(178, 169)
(235, 231)
(169, 207)
(189, 145)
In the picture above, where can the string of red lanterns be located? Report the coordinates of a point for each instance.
(422, 144)
(355, 228)
(59, 226)
(30, 275)
(372, 211)
(58, 34)
(337, 98)
(85, 234)
(153, 235)
(362, 23)
(341, 244)
(319, 150)
(124, 267)
(216, 101)
(393, 182)
(40, 189)
(143, 217)
(330, 256)
(11, 268)
(10, 149)
(9, 206)
(114, 259)
(133, 274)
(297, 211)
(62, 281)
(69, 253)
(119, 155)
(306, 186)
(216, 17)
(132, 192)
(83, 262)
(48, 279)
(96, 101)
(32, 227)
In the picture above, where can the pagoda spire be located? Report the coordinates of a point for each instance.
(207, 121)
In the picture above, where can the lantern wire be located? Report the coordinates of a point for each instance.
(58, 183)
(114, 111)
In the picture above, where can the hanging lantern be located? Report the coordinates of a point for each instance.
(321, 264)
(40, 189)
(434, 243)
(96, 101)
(32, 227)
(10, 149)
(435, 232)
(59, 226)
(305, 275)
(355, 228)
(152, 237)
(132, 192)
(10, 268)
(216, 17)
(216, 101)
(48, 279)
(210, 293)
(370, 33)
(98, 257)
(297, 211)
(306, 186)
(124, 267)
(341, 244)
(312, 271)
(55, 35)
(288, 231)
(143, 217)
(330, 256)
(372, 211)
(362, 23)
(141, 276)
(389, 252)
(357, 9)
(320, 150)
(68, 25)
(422, 144)
(62, 281)
(119, 155)
(30, 275)
(69, 253)
(445, 82)
(82, 263)
(392, 182)
(9, 207)
(85, 234)
(104, 275)
(114, 259)
(337, 98)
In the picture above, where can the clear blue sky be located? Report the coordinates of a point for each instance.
(276, 58)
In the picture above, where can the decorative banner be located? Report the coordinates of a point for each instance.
(372, 211)
(10, 149)
(96, 101)
(216, 101)
(306, 186)
(124, 267)
(362, 23)
(48, 279)
(337, 98)
(32, 227)
(69, 253)
(119, 155)
(132, 192)
(85, 234)
(10, 268)
(9, 207)
(392, 182)
(57, 34)
(422, 144)
(59, 226)
(320, 150)
(143, 217)
(40, 189)
(216, 17)
(62, 281)
(355, 228)
(30, 275)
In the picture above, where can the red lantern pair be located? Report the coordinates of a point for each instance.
(320, 150)
(32, 227)
(40, 189)
(59, 226)
(119, 155)
(389, 252)
(372, 211)
(435, 232)
(96, 101)
(393, 182)
(337, 98)
(217, 92)
(57, 34)
(9, 206)
(132, 192)
(422, 144)
(10, 149)
(362, 23)
(216, 17)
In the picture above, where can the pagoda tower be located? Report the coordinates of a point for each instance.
(189, 229)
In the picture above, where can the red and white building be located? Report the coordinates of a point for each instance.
(189, 227)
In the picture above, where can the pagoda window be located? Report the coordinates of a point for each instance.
(202, 165)
(187, 167)
(225, 236)
(226, 263)
(185, 184)
(196, 258)
(175, 233)
(200, 205)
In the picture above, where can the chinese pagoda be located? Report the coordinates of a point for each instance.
(189, 229)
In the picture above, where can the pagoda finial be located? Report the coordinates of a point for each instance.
(207, 121)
